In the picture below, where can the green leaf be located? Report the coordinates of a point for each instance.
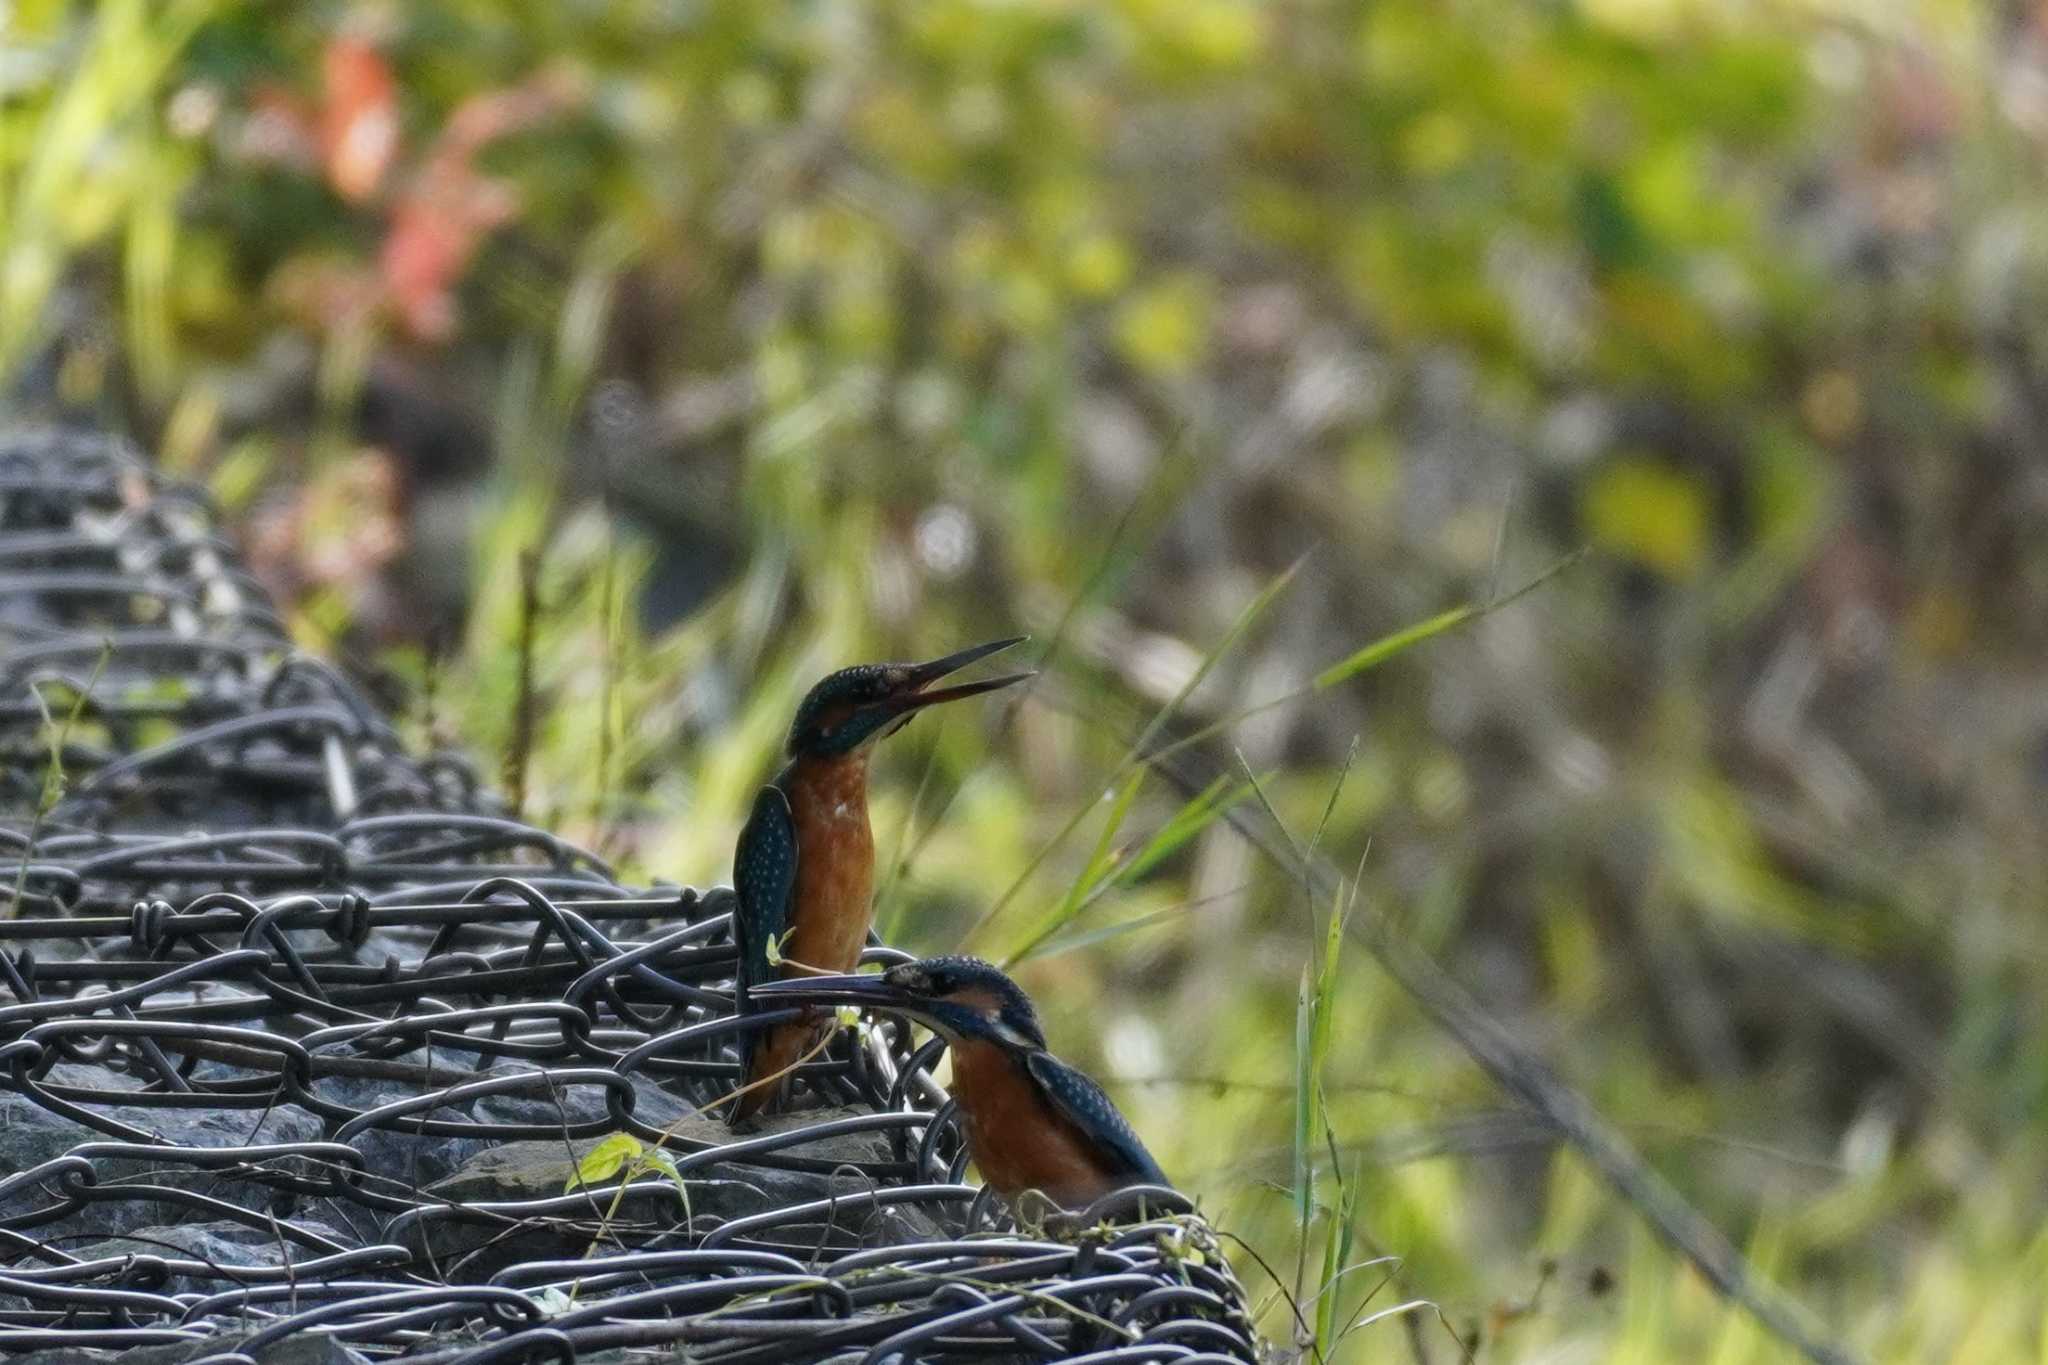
(1336, 790)
(1387, 646)
(1068, 943)
(1095, 875)
(1305, 1091)
(1136, 755)
(1105, 856)
(1336, 1252)
(1326, 992)
(605, 1160)
(1371, 656)
(1245, 619)
(1200, 811)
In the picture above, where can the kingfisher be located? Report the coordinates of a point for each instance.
(1032, 1121)
(804, 869)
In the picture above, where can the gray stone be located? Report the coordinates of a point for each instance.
(304, 1349)
(31, 1135)
(421, 1159)
(307, 1349)
(717, 1194)
(218, 1242)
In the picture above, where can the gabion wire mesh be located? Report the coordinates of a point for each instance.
(278, 993)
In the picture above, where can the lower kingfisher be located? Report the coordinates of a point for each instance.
(1032, 1121)
(804, 870)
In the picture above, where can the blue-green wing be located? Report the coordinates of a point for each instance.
(1081, 1102)
(764, 884)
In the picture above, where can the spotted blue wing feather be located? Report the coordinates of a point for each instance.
(764, 883)
(1081, 1102)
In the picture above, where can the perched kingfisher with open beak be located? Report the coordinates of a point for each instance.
(1032, 1121)
(804, 870)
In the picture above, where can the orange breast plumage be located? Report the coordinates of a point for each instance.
(1017, 1140)
(835, 876)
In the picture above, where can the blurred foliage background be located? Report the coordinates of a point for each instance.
(777, 334)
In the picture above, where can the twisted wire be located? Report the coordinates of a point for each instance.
(234, 907)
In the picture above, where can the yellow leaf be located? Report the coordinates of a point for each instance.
(604, 1160)
(1165, 328)
(1651, 513)
(1221, 32)
(1435, 143)
(1645, 21)
(1098, 265)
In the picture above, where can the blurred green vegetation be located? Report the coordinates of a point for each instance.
(788, 334)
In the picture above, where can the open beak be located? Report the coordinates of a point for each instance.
(870, 991)
(913, 696)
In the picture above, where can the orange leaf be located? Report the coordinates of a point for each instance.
(443, 214)
(359, 124)
(422, 257)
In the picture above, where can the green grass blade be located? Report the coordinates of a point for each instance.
(1200, 811)
(1371, 656)
(1135, 756)
(1336, 1253)
(1141, 522)
(1245, 620)
(1259, 790)
(1336, 790)
(1305, 1091)
(1089, 938)
(55, 780)
(1197, 814)
(1387, 646)
(1101, 864)
(1326, 989)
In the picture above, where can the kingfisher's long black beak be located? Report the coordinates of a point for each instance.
(913, 696)
(869, 991)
